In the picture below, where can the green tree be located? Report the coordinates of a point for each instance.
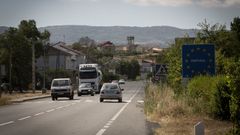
(130, 69)
(235, 26)
(134, 69)
(16, 46)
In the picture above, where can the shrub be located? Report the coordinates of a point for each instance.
(222, 97)
(210, 95)
(233, 72)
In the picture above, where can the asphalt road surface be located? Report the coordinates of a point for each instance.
(84, 115)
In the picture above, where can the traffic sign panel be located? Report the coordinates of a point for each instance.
(198, 59)
(160, 69)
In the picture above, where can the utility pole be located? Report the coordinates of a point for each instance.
(33, 66)
(44, 62)
(44, 68)
(10, 69)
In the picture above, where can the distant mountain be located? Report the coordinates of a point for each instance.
(159, 35)
(152, 36)
(3, 29)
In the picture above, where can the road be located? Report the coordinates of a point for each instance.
(84, 115)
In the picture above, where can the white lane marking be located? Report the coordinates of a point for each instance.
(60, 107)
(128, 101)
(106, 127)
(67, 105)
(63, 101)
(140, 101)
(108, 124)
(39, 114)
(25, 118)
(77, 101)
(50, 110)
(89, 101)
(101, 131)
(73, 103)
(6, 123)
(120, 111)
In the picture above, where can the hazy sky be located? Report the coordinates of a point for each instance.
(178, 13)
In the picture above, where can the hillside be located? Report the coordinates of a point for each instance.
(159, 35)
(2, 29)
(155, 36)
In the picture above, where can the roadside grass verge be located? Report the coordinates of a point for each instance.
(175, 116)
(6, 98)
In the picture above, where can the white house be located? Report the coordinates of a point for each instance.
(59, 56)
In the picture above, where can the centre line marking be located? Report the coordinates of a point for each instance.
(39, 113)
(101, 131)
(25, 118)
(59, 107)
(50, 110)
(6, 123)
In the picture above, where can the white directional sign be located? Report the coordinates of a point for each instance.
(161, 69)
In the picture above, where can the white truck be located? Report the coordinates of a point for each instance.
(90, 73)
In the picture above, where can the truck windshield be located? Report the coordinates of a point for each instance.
(60, 83)
(88, 73)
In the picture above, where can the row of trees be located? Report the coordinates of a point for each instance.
(227, 45)
(131, 69)
(16, 52)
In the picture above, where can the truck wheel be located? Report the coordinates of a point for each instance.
(92, 94)
(53, 98)
(119, 100)
(56, 98)
(71, 97)
(79, 94)
(101, 100)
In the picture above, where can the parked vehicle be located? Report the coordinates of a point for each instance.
(111, 91)
(121, 81)
(114, 81)
(85, 88)
(90, 73)
(62, 87)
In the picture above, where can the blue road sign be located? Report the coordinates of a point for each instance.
(198, 59)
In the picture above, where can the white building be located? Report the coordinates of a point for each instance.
(59, 56)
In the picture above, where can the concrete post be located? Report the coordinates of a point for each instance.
(199, 128)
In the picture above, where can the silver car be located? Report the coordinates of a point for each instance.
(85, 88)
(111, 91)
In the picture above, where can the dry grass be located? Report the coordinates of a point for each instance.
(174, 116)
(6, 98)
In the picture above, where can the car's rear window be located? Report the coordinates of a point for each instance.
(110, 87)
